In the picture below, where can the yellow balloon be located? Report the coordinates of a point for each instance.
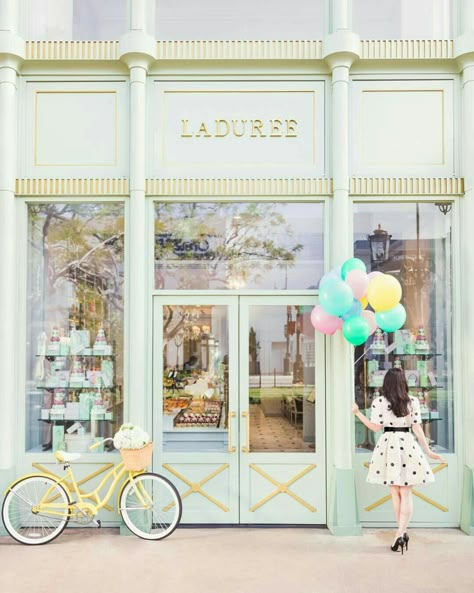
(384, 292)
(364, 302)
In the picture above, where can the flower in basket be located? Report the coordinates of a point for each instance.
(130, 436)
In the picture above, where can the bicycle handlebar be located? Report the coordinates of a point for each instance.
(96, 445)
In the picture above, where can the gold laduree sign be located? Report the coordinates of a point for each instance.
(250, 128)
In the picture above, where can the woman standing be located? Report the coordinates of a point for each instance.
(397, 460)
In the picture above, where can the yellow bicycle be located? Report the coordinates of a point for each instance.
(37, 507)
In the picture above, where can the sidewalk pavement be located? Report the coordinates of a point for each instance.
(240, 560)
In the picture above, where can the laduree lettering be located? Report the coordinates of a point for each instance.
(240, 128)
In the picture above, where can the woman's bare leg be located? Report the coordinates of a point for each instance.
(406, 509)
(396, 501)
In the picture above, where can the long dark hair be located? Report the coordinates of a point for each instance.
(395, 390)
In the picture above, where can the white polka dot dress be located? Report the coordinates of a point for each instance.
(397, 459)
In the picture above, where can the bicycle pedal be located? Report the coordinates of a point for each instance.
(98, 523)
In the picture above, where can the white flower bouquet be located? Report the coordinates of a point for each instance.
(135, 447)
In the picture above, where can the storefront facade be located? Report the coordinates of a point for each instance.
(167, 210)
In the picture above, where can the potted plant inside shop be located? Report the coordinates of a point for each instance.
(135, 447)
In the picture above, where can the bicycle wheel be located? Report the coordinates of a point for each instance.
(35, 527)
(150, 506)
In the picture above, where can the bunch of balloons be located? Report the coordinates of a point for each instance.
(344, 295)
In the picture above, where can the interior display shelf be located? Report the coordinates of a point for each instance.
(50, 420)
(53, 356)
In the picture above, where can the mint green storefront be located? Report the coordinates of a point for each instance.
(186, 197)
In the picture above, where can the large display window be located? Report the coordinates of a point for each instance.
(413, 242)
(239, 246)
(74, 382)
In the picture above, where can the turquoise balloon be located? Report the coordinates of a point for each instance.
(356, 330)
(354, 311)
(335, 297)
(391, 320)
(332, 275)
(354, 263)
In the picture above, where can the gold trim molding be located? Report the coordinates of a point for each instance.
(71, 187)
(377, 49)
(401, 186)
(239, 50)
(239, 187)
(72, 50)
(406, 49)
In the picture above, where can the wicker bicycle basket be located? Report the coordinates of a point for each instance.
(137, 459)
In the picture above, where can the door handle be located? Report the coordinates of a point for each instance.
(246, 447)
(231, 448)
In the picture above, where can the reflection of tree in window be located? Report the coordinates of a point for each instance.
(232, 245)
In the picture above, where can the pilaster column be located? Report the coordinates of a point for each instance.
(467, 265)
(341, 50)
(10, 390)
(137, 51)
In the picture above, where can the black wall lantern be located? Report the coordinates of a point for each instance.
(379, 243)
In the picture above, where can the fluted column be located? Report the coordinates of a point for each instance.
(340, 50)
(137, 50)
(11, 54)
(467, 265)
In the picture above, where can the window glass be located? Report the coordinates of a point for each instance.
(74, 325)
(238, 246)
(77, 19)
(402, 19)
(416, 248)
(281, 379)
(239, 19)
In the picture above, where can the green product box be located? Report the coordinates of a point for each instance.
(422, 368)
(58, 438)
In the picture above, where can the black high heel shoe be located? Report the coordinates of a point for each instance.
(406, 538)
(398, 543)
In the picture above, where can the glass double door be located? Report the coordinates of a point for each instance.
(238, 408)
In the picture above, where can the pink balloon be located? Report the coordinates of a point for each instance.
(373, 275)
(369, 316)
(358, 280)
(323, 322)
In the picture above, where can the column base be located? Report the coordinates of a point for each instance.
(343, 515)
(467, 503)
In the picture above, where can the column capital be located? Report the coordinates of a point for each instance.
(12, 50)
(341, 48)
(137, 49)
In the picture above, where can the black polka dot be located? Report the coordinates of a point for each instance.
(414, 473)
(427, 472)
(385, 482)
(378, 471)
(391, 482)
(402, 439)
(424, 481)
(419, 463)
(380, 415)
(381, 453)
(404, 465)
(373, 405)
(391, 446)
(409, 455)
(391, 423)
(406, 483)
(380, 400)
(392, 464)
(401, 449)
(381, 422)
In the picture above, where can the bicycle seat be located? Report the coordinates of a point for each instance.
(64, 457)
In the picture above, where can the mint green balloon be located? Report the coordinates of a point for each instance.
(391, 320)
(354, 263)
(356, 330)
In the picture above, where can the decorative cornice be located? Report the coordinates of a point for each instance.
(239, 187)
(406, 49)
(72, 50)
(378, 49)
(239, 50)
(406, 186)
(72, 187)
